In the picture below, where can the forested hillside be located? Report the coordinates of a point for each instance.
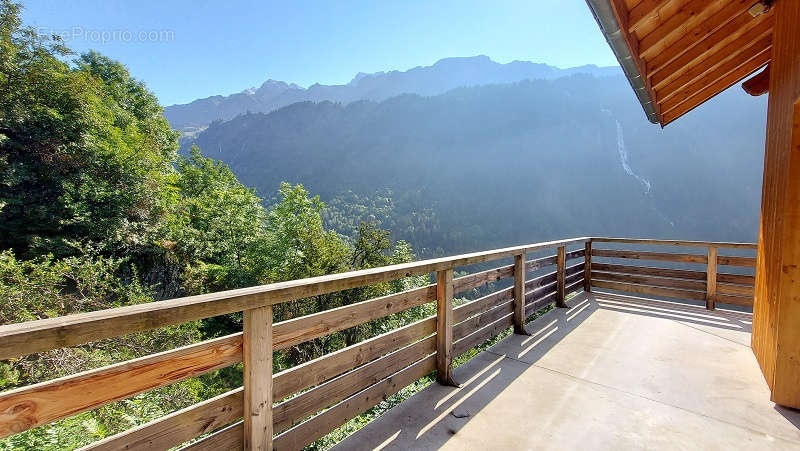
(488, 166)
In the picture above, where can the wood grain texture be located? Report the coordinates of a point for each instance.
(461, 284)
(729, 79)
(708, 36)
(758, 84)
(736, 290)
(479, 336)
(230, 438)
(675, 243)
(642, 255)
(42, 403)
(316, 427)
(444, 327)
(736, 261)
(312, 401)
(479, 305)
(257, 369)
(539, 263)
(178, 427)
(776, 337)
(42, 335)
(650, 280)
(330, 365)
(470, 325)
(560, 276)
(519, 294)
(650, 271)
(711, 277)
(743, 301)
(685, 89)
(688, 16)
(305, 328)
(650, 290)
(752, 39)
(739, 279)
(587, 267)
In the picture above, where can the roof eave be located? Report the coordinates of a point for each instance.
(609, 26)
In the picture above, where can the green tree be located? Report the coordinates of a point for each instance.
(84, 150)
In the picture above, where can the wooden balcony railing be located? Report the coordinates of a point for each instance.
(318, 396)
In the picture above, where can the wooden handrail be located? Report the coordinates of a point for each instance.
(675, 242)
(51, 333)
(373, 368)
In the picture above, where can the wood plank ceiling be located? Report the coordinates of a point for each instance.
(688, 51)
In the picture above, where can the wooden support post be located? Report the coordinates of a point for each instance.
(711, 278)
(561, 260)
(587, 268)
(519, 294)
(444, 327)
(776, 311)
(257, 358)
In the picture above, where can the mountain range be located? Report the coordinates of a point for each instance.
(493, 165)
(444, 75)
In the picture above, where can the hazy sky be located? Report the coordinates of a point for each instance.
(184, 50)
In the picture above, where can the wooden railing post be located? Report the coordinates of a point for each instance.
(711, 278)
(444, 327)
(561, 260)
(587, 267)
(257, 359)
(519, 294)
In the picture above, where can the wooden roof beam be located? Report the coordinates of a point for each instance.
(687, 17)
(644, 11)
(758, 84)
(721, 28)
(711, 61)
(710, 91)
(711, 78)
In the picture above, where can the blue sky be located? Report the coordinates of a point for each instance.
(185, 50)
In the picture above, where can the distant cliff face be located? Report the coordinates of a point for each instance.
(488, 166)
(444, 75)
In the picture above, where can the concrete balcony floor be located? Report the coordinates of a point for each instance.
(611, 372)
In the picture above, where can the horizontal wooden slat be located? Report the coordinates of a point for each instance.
(461, 284)
(650, 290)
(539, 263)
(575, 254)
(736, 261)
(177, 427)
(540, 281)
(479, 336)
(642, 255)
(546, 279)
(470, 325)
(305, 328)
(735, 290)
(732, 77)
(650, 271)
(735, 300)
(680, 243)
(316, 427)
(42, 335)
(295, 409)
(650, 280)
(319, 370)
(538, 304)
(740, 279)
(42, 403)
(471, 308)
(230, 438)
